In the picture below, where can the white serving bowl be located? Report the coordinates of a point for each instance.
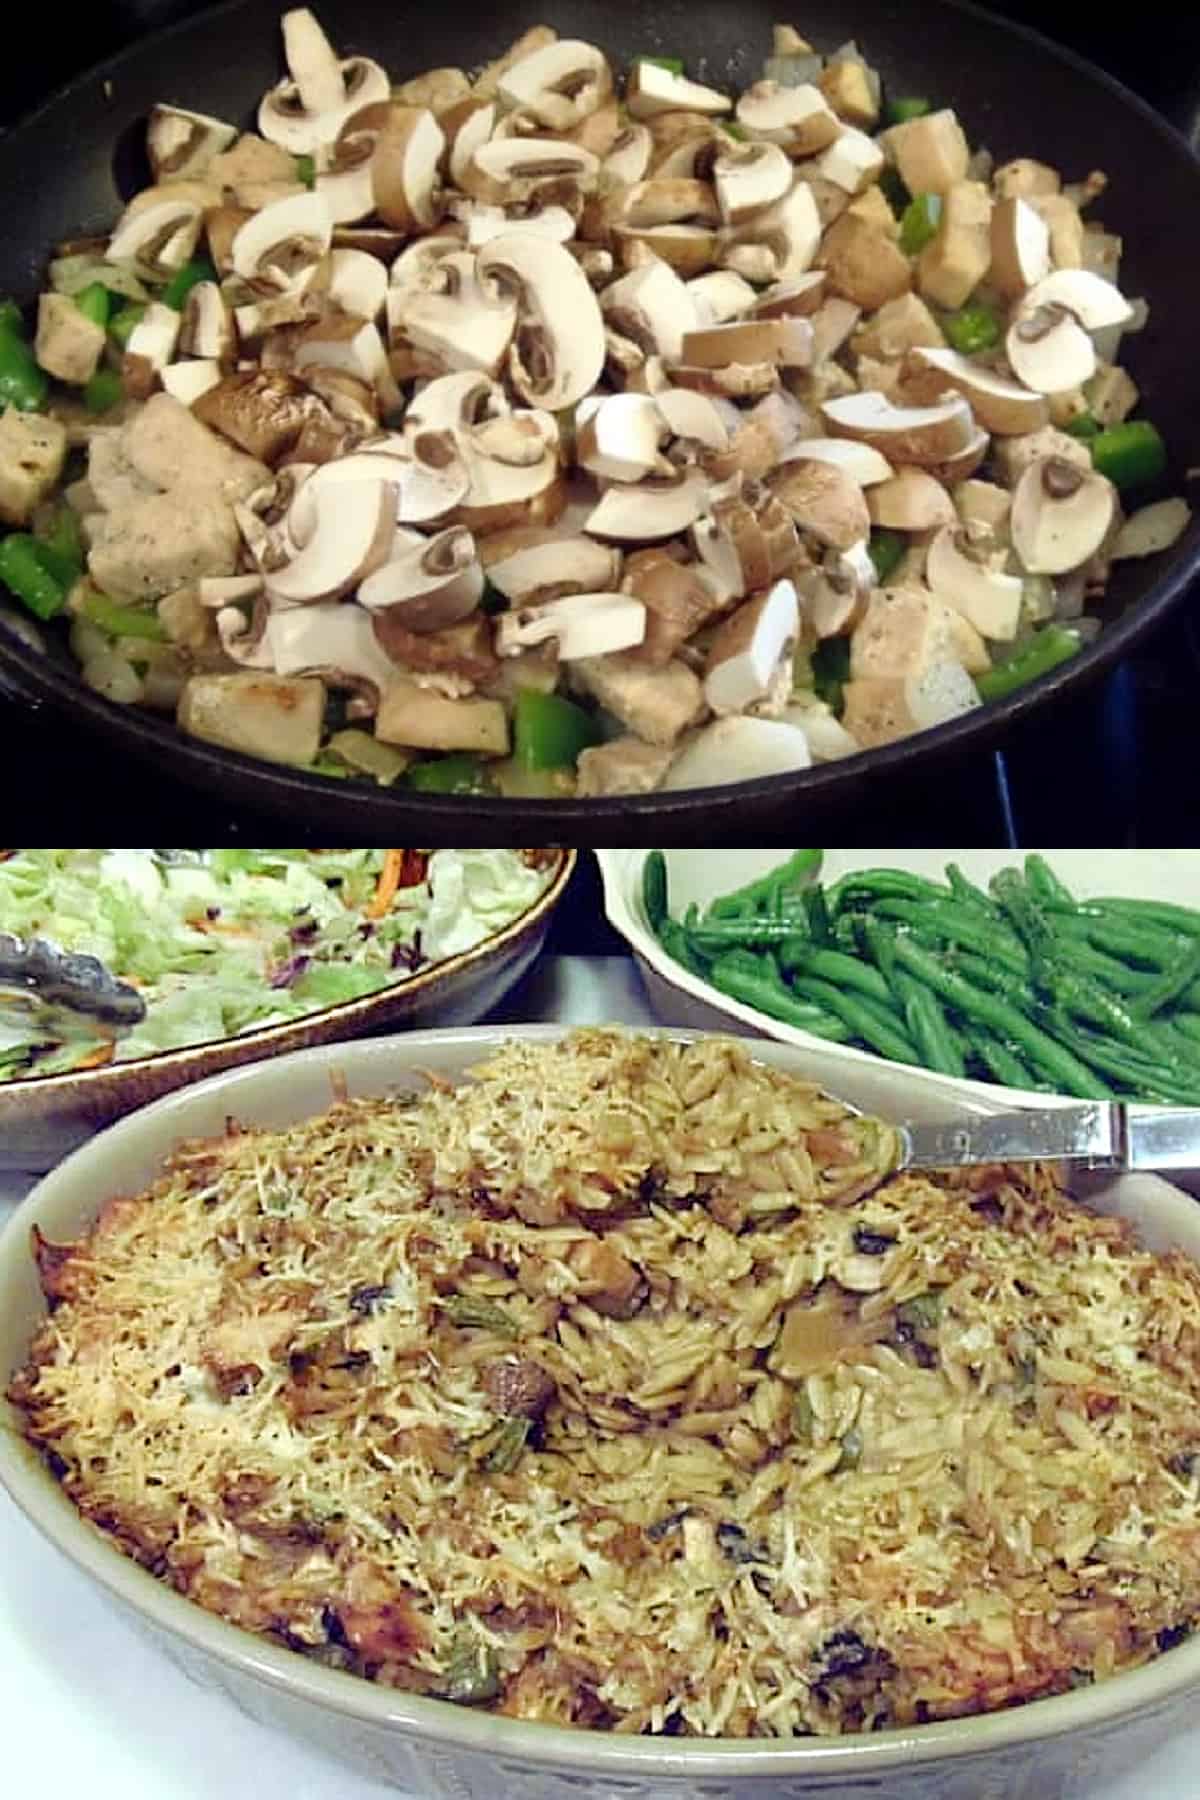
(1056, 1749)
(680, 998)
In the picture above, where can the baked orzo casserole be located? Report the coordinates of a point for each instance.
(623, 1387)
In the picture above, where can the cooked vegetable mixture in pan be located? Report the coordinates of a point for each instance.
(552, 429)
(622, 1387)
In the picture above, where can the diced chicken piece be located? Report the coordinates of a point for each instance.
(32, 452)
(624, 766)
(254, 172)
(864, 264)
(271, 716)
(417, 718)
(899, 326)
(1013, 455)
(983, 508)
(112, 478)
(68, 344)
(904, 632)
(873, 207)
(951, 267)
(169, 447)
(162, 541)
(880, 709)
(847, 87)
(655, 704)
(1024, 179)
(1111, 395)
(932, 153)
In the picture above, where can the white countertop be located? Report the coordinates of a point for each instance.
(88, 1708)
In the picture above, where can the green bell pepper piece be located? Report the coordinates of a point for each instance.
(23, 384)
(831, 670)
(25, 575)
(972, 329)
(121, 325)
(549, 732)
(908, 106)
(121, 621)
(672, 64)
(103, 391)
(94, 303)
(12, 318)
(886, 550)
(458, 774)
(61, 535)
(919, 223)
(1053, 645)
(1132, 455)
(184, 280)
(306, 170)
(1083, 426)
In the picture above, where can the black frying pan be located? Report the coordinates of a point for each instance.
(66, 169)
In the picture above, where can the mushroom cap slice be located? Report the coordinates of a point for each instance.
(689, 249)
(538, 563)
(912, 500)
(276, 249)
(1049, 350)
(650, 90)
(748, 648)
(513, 467)
(794, 299)
(353, 345)
(181, 144)
(790, 230)
(206, 328)
(653, 307)
(739, 748)
(187, 381)
(428, 583)
(330, 638)
(865, 465)
(358, 283)
(454, 402)
(618, 440)
(425, 469)
(696, 416)
(1000, 405)
(798, 118)
(748, 177)
(559, 350)
(824, 500)
(629, 158)
(466, 325)
(466, 130)
(1096, 303)
(158, 238)
(579, 625)
(351, 538)
(650, 510)
(416, 267)
(787, 342)
(991, 601)
(307, 111)
(509, 171)
(348, 193)
(1020, 247)
(925, 435)
(487, 222)
(558, 85)
(720, 297)
(404, 168)
(1061, 515)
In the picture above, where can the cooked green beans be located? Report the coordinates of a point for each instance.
(1021, 984)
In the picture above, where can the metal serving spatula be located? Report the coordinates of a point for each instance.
(1102, 1134)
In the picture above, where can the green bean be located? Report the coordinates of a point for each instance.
(654, 891)
(752, 981)
(1151, 947)
(1076, 993)
(967, 894)
(1188, 1025)
(1045, 883)
(990, 1009)
(675, 941)
(1154, 912)
(956, 925)
(709, 935)
(473, 1312)
(800, 870)
(506, 1446)
(1120, 1061)
(833, 965)
(928, 1027)
(873, 884)
(1001, 1062)
(855, 1010)
(1169, 986)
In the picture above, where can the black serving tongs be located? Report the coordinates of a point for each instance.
(38, 974)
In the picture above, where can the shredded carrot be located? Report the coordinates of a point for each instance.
(96, 1059)
(385, 887)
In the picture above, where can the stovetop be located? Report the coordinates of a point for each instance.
(1113, 766)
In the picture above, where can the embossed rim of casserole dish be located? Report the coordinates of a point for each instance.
(293, 1087)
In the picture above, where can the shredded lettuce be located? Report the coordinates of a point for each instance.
(226, 941)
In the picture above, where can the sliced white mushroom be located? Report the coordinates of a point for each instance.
(306, 112)
(798, 298)
(825, 501)
(149, 348)
(558, 352)
(786, 342)
(216, 591)
(487, 222)
(1000, 405)
(912, 500)
(424, 467)
(404, 168)
(719, 297)
(348, 193)
(650, 510)
(544, 564)
(852, 162)
(1020, 247)
(745, 655)
(206, 328)
(1061, 515)
(739, 749)
(352, 345)
(836, 595)
(789, 231)
(629, 158)
(653, 307)
(416, 267)
(798, 118)
(651, 90)
(358, 283)
(1049, 350)
(618, 439)
(693, 416)
(427, 584)
(351, 538)
(186, 381)
(513, 465)
(514, 171)
(925, 435)
(688, 249)
(861, 462)
(717, 553)
(276, 249)
(157, 238)
(748, 177)
(466, 135)
(558, 85)
(989, 599)
(1152, 530)
(465, 325)
(1096, 303)
(334, 639)
(181, 144)
(579, 625)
